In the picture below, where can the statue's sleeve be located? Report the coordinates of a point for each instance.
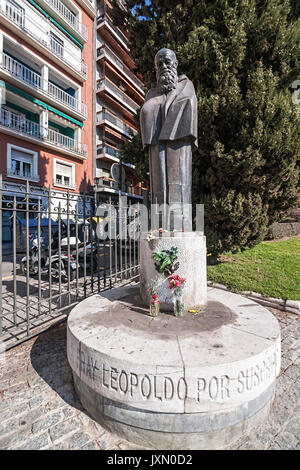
(150, 119)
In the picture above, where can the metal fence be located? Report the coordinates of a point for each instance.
(51, 256)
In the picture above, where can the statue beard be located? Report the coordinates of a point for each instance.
(167, 80)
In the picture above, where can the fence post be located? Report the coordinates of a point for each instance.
(1, 308)
(27, 258)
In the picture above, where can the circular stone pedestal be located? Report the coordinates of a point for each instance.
(198, 382)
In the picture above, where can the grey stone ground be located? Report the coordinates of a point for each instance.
(39, 408)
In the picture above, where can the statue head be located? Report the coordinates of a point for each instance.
(166, 69)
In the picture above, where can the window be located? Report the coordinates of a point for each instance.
(21, 163)
(56, 44)
(64, 174)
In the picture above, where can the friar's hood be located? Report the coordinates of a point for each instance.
(170, 117)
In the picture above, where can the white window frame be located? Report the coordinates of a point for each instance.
(34, 176)
(72, 184)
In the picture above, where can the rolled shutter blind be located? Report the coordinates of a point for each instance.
(64, 170)
(22, 156)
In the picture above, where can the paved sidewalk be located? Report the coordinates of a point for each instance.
(39, 408)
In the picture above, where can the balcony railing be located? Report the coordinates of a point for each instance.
(20, 71)
(66, 142)
(90, 4)
(21, 125)
(107, 150)
(106, 182)
(66, 99)
(114, 89)
(105, 116)
(115, 59)
(35, 81)
(42, 35)
(104, 17)
(60, 183)
(15, 14)
(70, 18)
(22, 174)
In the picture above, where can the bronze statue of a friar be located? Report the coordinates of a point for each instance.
(168, 122)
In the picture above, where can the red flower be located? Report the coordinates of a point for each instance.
(154, 296)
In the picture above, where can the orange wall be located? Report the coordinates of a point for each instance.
(83, 177)
(83, 169)
(87, 93)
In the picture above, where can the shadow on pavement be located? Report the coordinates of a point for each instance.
(49, 359)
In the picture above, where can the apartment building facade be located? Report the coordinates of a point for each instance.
(46, 98)
(119, 93)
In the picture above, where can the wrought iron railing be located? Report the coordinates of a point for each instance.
(66, 99)
(22, 174)
(114, 89)
(69, 16)
(47, 277)
(20, 124)
(16, 122)
(35, 80)
(42, 35)
(106, 181)
(106, 116)
(66, 142)
(104, 17)
(59, 182)
(104, 49)
(108, 150)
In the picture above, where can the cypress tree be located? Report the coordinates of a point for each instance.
(242, 56)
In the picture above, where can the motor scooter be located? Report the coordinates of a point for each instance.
(62, 265)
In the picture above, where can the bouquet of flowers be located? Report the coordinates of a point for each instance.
(177, 284)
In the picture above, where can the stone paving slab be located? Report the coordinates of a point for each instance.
(40, 410)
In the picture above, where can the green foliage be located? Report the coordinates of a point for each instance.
(166, 261)
(242, 57)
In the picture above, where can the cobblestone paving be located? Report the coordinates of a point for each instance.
(39, 408)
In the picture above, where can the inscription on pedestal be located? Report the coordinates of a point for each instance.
(163, 387)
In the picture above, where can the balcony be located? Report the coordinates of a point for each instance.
(35, 82)
(38, 31)
(22, 175)
(109, 153)
(17, 123)
(58, 182)
(104, 183)
(89, 6)
(107, 85)
(104, 20)
(105, 117)
(24, 127)
(105, 51)
(64, 142)
(66, 17)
